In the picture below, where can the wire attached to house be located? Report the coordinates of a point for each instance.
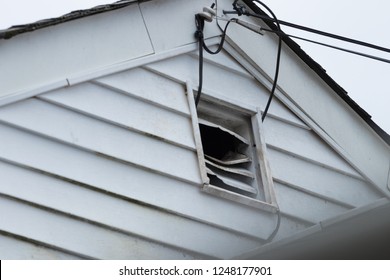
(275, 82)
(319, 32)
(199, 23)
(328, 45)
(277, 227)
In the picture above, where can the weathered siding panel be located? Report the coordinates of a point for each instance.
(13, 248)
(305, 143)
(314, 178)
(125, 111)
(63, 160)
(150, 189)
(306, 206)
(149, 87)
(102, 138)
(124, 215)
(79, 236)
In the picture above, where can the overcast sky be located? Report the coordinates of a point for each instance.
(366, 80)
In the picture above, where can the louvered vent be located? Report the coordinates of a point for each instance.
(228, 159)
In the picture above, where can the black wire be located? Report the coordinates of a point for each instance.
(328, 45)
(273, 234)
(200, 73)
(323, 33)
(275, 83)
(199, 22)
(222, 39)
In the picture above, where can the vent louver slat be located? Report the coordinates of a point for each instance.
(234, 170)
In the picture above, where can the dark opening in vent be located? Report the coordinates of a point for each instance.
(227, 160)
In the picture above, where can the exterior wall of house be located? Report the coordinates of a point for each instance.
(114, 159)
(107, 166)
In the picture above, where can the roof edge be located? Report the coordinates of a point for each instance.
(24, 28)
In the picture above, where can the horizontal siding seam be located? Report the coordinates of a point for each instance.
(99, 154)
(223, 66)
(314, 194)
(44, 245)
(296, 218)
(163, 74)
(129, 94)
(111, 122)
(90, 187)
(102, 225)
(315, 162)
(287, 121)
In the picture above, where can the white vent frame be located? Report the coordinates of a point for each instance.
(254, 114)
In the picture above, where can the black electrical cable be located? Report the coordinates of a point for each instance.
(273, 234)
(319, 32)
(342, 49)
(199, 22)
(220, 46)
(275, 82)
(328, 45)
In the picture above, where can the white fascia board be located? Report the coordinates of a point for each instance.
(85, 76)
(311, 231)
(359, 144)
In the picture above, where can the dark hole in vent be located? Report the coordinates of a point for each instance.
(216, 142)
(226, 161)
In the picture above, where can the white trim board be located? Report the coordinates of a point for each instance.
(98, 73)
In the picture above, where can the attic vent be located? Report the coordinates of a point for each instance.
(231, 151)
(228, 159)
